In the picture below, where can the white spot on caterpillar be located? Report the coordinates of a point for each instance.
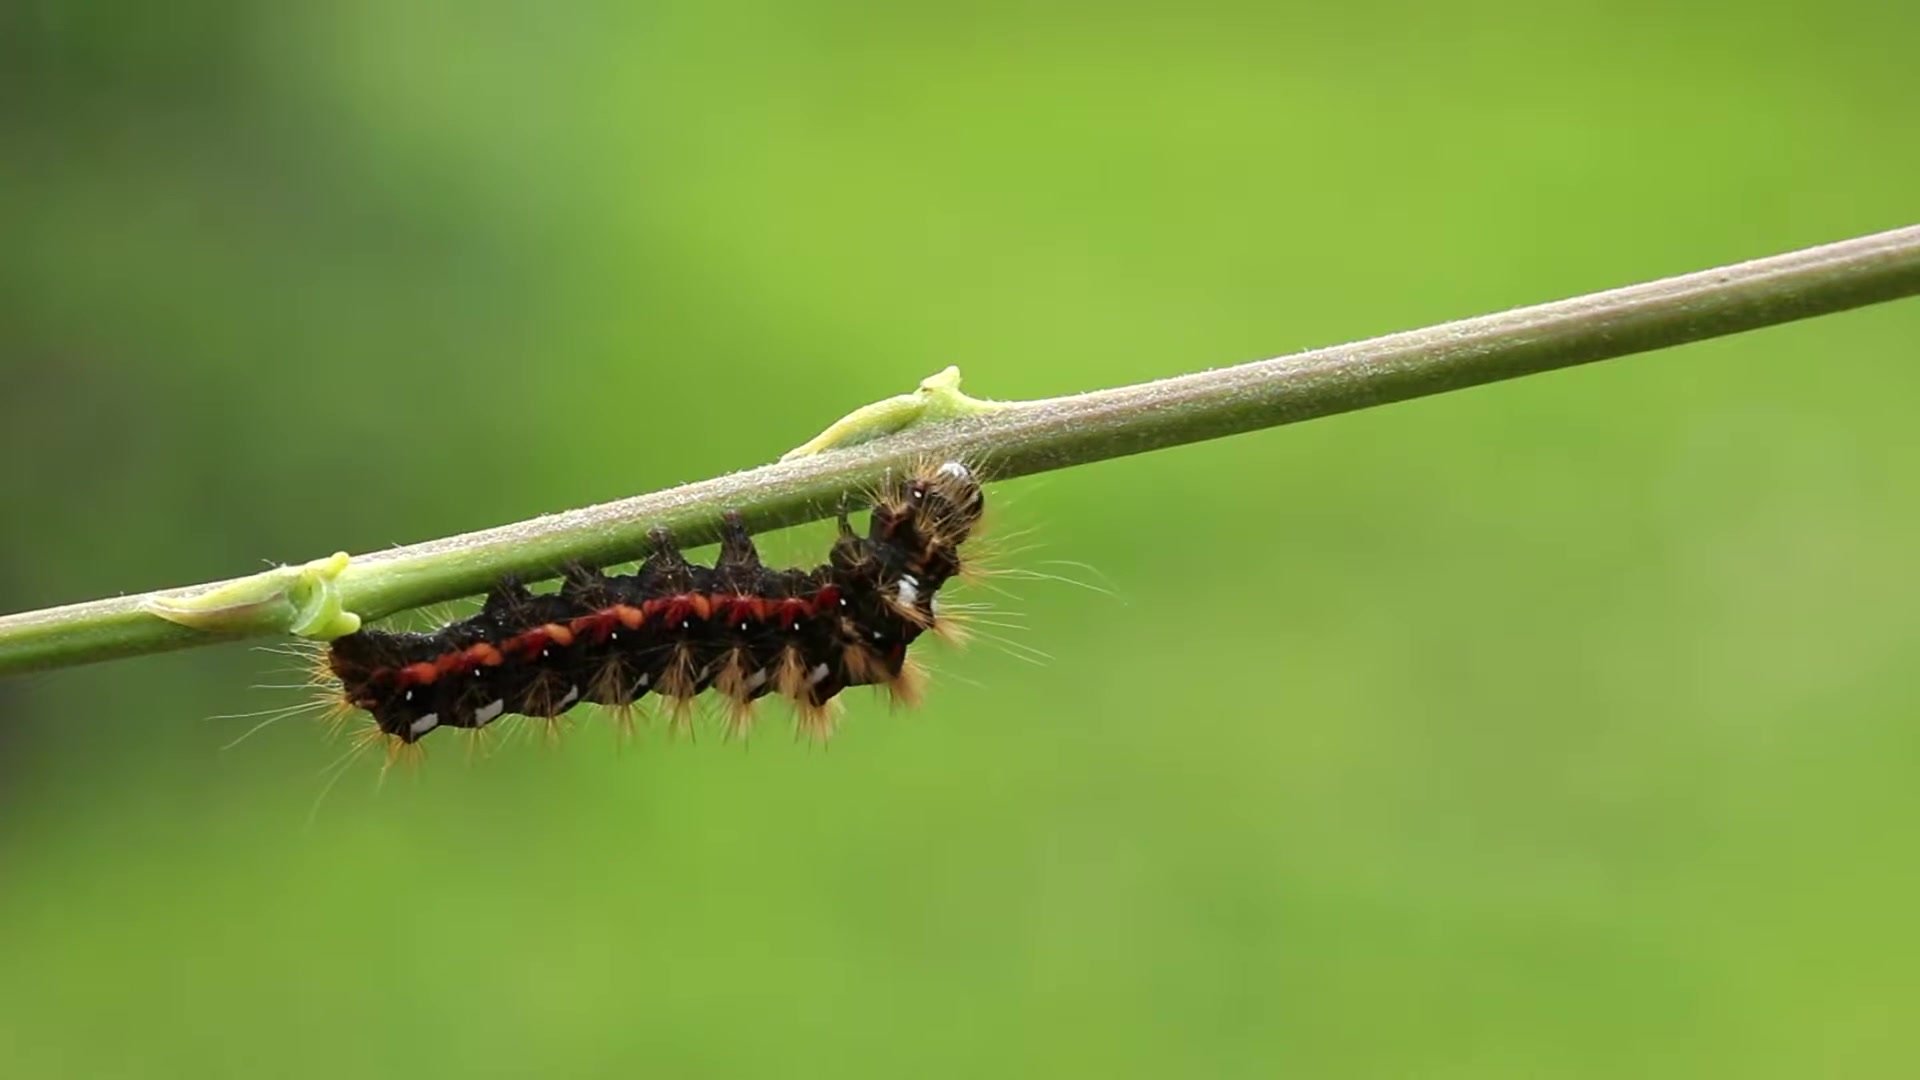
(909, 589)
(645, 679)
(573, 695)
(423, 725)
(488, 713)
(955, 470)
(815, 676)
(757, 680)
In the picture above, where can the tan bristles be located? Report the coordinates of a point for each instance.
(626, 721)
(731, 679)
(677, 681)
(321, 694)
(614, 688)
(951, 627)
(393, 748)
(680, 714)
(480, 743)
(735, 695)
(407, 755)
(554, 729)
(335, 710)
(906, 689)
(544, 697)
(336, 714)
(737, 717)
(613, 685)
(815, 720)
(678, 689)
(790, 674)
(864, 666)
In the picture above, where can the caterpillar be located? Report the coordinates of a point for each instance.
(676, 630)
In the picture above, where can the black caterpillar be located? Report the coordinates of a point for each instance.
(675, 629)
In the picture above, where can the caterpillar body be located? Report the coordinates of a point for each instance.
(676, 630)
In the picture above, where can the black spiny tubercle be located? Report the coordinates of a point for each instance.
(676, 630)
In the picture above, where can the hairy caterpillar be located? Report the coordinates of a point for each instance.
(675, 629)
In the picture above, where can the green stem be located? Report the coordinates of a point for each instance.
(1007, 438)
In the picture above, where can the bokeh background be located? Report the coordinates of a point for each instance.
(1560, 728)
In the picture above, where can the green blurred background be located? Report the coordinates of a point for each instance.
(1559, 728)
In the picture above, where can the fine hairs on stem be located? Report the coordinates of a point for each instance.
(329, 597)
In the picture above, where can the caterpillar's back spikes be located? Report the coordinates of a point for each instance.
(737, 552)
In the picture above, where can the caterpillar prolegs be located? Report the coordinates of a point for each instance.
(676, 630)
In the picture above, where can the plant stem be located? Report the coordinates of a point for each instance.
(1016, 438)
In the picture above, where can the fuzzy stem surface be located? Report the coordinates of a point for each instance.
(1010, 439)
